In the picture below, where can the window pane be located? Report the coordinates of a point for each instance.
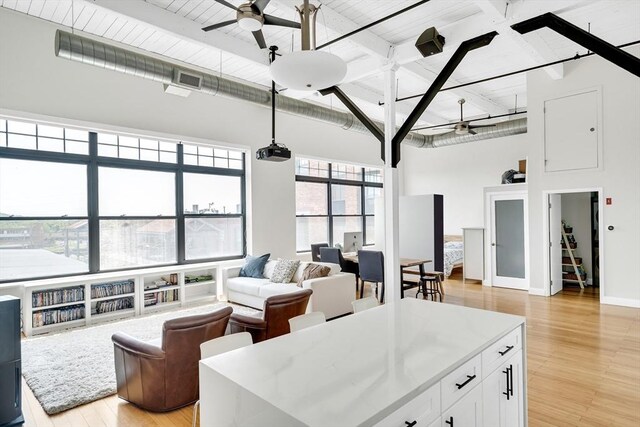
(137, 243)
(205, 151)
(128, 153)
(220, 163)
(149, 155)
(128, 141)
(168, 146)
(205, 161)
(340, 171)
(21, 127)
(346, 200)
(370, 221)
(311, 230)
(3, 139)
(43, 248)
(215, 194)
(190, 159)
(106, 138)
(77, 147)
(136, 192)
(235, 155)
(235, 164)
(78, 135)
(372, 175)
(167, 157)
(311, 198)
(213, 237)
(370, 195)
(51, 144)
(345, 224)
(149, 144)
(50, 131)
(21, 141)
(107, 150)
(31, 188)
(309, 167)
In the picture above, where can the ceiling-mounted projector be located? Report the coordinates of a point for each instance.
(273, 153)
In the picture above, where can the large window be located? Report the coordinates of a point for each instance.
(76, 201)
(334, 198)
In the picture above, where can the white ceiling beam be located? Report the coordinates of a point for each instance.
(181, 27)
(502, 17)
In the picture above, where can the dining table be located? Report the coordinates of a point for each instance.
(406, 267)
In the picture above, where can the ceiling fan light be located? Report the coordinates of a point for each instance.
(308, 70)
(249, 23)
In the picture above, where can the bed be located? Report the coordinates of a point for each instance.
(453, 253)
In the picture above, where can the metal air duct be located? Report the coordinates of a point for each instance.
(92, 52)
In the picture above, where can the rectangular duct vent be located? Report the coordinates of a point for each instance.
(191, 81)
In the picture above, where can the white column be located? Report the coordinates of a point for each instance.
(391, 191)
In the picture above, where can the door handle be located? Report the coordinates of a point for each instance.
(449, 421)
(469, 379)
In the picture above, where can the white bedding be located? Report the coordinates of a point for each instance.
(452, 256)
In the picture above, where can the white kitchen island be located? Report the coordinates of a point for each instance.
(405, 364)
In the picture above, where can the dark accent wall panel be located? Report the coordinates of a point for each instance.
(438, 232)
(10, 364)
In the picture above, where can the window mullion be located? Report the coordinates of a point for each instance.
(93, 205)
(180, 221)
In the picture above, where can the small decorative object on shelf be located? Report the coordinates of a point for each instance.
(201, 278)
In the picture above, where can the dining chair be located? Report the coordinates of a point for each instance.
(315, 250)
(306, 320)
(371, 265)
(218, 346)
(363, 304)
(334, 255)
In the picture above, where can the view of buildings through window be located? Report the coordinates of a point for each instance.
(334, 198)
(68, 208)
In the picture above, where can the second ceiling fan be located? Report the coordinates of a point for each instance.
(250, 16)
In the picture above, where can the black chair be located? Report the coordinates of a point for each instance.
(315, 250)
(334, 256)
(371, 264)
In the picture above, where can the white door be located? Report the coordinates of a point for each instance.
(509, 241)
(501, 395)
(467, 412)
(555, 243)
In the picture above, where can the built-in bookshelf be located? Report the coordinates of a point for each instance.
(55, 304)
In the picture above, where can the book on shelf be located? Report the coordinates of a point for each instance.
(113, 305)
(57, 315)
(161, 297)
(101, 290)
(192, 278)
(57, 296)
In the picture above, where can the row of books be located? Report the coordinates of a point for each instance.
(112, 288)
(161, 297)
(57, 296)
(114, 305)
(59, 315)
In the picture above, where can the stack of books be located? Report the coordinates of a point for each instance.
(60, 315)
(57, 296)
(112, 288)
(113, 305)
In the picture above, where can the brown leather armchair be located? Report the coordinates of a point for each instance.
(274, 320)
(165, 378)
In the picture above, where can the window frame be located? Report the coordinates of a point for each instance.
(93, 162)
(329, 181)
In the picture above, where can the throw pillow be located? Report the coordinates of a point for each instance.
(284, 270)
(254, 266)
(313, 271)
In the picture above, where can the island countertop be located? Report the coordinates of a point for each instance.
(355, 370)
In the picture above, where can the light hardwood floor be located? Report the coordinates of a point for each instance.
(583, 364)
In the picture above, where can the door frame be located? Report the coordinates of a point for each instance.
(516, 193)
(546, 261)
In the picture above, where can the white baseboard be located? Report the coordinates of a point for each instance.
(625, 302)
(537, 291)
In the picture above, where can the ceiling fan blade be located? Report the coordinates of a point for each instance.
(261, 4)
(274, 20)
(480, 126)
(219, 25)
(260, 39)
(472, 132)
(225, 3)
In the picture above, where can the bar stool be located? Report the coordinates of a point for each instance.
(440, 281)
(430, 285)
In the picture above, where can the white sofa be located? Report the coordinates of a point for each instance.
(332, 295)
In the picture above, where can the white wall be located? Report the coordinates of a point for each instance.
(576, 212)
(460, 172)
(619, 177)
(34, 81)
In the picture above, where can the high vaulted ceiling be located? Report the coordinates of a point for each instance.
(172, 28)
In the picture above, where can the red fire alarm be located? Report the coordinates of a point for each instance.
(608, 200)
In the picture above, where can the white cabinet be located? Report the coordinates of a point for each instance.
(467, 412)
(502, 394)
(419, 412)
(473, 254)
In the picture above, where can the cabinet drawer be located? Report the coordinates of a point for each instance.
(467, 412)
(424, 409)
(501, 350)
(459, 382)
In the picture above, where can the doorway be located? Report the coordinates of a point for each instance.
(573, 236)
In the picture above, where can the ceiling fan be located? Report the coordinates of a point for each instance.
(250, 16)
(463, 127)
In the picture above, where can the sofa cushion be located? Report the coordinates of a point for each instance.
(284, 270)
(314, 271)
(246, 285)
(268, 269)
(271, 289)
(335, 268)
(254, 266)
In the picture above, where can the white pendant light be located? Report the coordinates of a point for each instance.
(308, 70)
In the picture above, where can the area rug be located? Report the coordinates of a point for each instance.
(72, 368)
